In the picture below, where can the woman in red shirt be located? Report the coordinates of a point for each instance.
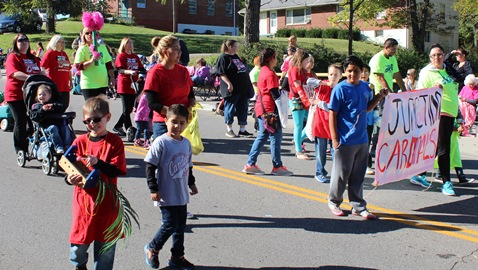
(21, 63)
(128, 65)
(167, 83)
(57, 65)
(267, 93)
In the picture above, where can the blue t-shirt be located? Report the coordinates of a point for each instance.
(173, 158)
(350, 102)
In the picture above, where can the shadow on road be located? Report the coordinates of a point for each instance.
(325, 267)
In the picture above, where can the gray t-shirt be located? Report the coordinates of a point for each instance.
(173, 158)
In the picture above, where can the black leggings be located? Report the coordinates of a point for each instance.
(125, 119)
(443, 148)
(65, 99)
(20, 136)
(87, 93)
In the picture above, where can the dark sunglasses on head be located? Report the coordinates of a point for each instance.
(22, 40)
(95, 120)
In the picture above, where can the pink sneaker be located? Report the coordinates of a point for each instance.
(138, 142)
(146, 145)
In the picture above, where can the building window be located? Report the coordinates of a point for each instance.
(211, 7)
(229, 8)
(193, 6)
(378, 33)
(141, 4)
(381, 15)
(298, 16)
(339, 9)
(427, 36)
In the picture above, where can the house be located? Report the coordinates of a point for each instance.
(192, 16)
(277, 14)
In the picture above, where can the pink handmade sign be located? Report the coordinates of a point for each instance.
(408, 135)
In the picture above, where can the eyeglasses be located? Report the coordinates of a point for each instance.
(88, 33)
(22, 40)
(438, 55)
(95, 120)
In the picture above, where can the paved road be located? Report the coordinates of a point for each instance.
(249, 222)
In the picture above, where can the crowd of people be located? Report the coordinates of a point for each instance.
(346, 120)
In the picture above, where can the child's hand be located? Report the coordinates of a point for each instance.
(75, 179)
(155, 197)
(89, 160)
(194, 190)
(47, 107)
(460, 129)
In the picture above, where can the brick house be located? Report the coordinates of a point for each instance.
(277, 14)
(195, 16)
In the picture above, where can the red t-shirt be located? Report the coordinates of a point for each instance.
(320, 127)
(13, 87)
(90, 221)
(294, 75)
(128, 62)
(57, 65)
(172, 86)
(266, 81)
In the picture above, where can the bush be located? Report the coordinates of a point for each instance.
(300, 32)
(408, 58)
(256, 49)
(343, 34)
(284, 32)
(330, 33)
(324, 57)
(314, 33)
(356, 35)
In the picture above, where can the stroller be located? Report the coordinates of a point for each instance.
(40, 145)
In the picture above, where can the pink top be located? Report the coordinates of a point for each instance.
(285, 65)
(469, 93)
(143, 110)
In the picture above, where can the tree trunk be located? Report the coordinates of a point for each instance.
(419, 25)
(50, 20)
(251, 28)
(351, 19)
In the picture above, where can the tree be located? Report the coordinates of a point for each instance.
(251, 21)
(468, 15)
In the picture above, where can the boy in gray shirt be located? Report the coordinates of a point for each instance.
(169, 173)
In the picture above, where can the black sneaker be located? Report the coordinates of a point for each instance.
(464, 180)
(152, 261)
(231, 134)
(245, 134)
(181, 263)
(119, 131)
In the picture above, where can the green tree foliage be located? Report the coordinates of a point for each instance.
(468, 16)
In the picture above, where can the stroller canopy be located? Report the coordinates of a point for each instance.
(30, 88)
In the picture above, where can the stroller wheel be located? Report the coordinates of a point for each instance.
(130, 134)
(46, 165)
(54, 167)
(21, 159)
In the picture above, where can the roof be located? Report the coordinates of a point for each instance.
(267, 5)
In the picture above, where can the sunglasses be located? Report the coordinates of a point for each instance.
(22, 40)
(88, 33)
(94, 120)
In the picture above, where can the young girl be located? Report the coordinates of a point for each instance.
(468, 98)
(97, 149)
(411, 80)
(142, 120)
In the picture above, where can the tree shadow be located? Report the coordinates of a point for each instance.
(325, 267)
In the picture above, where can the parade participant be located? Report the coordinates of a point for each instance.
(370, 118)
(411, 80)
(284, 80)
(468, 99)
(201, 74)
(462, 66)
(384, 68)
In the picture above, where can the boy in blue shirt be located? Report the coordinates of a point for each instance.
(349, 104)
(169, 173)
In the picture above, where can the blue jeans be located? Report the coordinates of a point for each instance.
(299, 116)
(159, 128)
(236, 105)
(142, 126)
(174, 223)
(321, 156)
(59, 135)
(79, 256)
(261, 139)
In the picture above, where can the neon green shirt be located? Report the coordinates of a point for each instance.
(254, 76)
(95, 76)
(430, 76)
(386, 66)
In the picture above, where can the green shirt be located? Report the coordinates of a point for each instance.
(254, 76)
(95, 76)
(430, 76)
(386, 66)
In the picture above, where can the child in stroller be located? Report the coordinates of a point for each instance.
(44, 108)
(55, 128)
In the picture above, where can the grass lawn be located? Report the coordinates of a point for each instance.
(210, 44)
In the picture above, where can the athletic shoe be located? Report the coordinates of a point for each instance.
(245, 134)
(321, 178)
(419, 180)
(146, 145)
(119, 131)
(231, 134)
(447, 189)
(189, 215)
(370, 171)
(252, 169)
(181, 263)
(438, 179)
(60, 150)
(463, 180)
(364, 214)
(138, 142)
(336, 211)
(281, 171)
(152, 261)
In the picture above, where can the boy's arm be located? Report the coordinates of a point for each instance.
(192, 182)
(376, 98)
(151, 177)
(107, 168)
(333, 128)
